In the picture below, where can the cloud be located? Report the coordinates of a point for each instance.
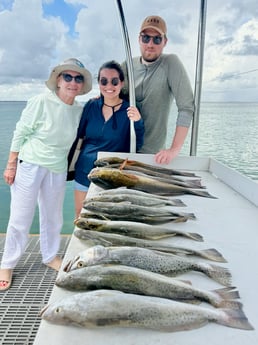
(33, 41)
(29, 43)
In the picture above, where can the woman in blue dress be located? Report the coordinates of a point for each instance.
(105, 126)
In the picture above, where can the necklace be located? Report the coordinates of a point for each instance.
(114, 124)
(113, 106)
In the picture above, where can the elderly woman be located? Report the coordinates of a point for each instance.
(37, 165)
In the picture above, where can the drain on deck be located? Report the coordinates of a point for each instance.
(31, 288)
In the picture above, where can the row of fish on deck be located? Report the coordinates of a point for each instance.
(128, 277)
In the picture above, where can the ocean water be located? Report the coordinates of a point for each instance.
(227, 132)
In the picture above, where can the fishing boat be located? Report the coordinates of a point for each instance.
(227, 223)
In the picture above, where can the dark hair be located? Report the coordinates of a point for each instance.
(113, 65)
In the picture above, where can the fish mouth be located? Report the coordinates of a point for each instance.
(43, 310)
(67, 267)
(69, 264)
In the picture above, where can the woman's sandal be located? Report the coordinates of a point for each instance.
(5, 279)
(55, 264)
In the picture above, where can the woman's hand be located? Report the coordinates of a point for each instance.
(133, 114)
(10, 172)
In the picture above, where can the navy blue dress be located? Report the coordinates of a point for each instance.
(112, 135)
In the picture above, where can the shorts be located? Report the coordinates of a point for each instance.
(80, 187)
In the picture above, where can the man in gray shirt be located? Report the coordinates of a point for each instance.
(159, 79)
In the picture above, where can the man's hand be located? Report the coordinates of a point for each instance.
(166, 156)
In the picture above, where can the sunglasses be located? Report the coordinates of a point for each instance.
(114, 81)
(155, 39)
(68, 78)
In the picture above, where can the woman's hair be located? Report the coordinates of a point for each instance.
(112, 65)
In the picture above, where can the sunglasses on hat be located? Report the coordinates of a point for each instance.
(114, 81)
(68, 78)
(155, 39)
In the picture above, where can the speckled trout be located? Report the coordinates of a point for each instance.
(135, 212)
(147, 259)
(103, 308)
(142, 282)
(136, 199)
(110, 239)
(133, 229)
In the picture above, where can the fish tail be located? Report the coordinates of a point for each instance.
(201, 193)
(228, 292)
(219, 274)
(235, 318)
(212, 254)
(190, 216)
(227, 298)
(194, 236)
(176, 202)
(229, 304)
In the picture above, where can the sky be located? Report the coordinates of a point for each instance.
(36, 35)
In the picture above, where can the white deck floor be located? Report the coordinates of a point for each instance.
(229, 224)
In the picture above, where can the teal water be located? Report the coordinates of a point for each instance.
(227, 132)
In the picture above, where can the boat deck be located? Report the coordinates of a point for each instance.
(228, 223)
(32, 286)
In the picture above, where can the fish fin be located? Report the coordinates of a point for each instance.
(212, 254)
(221, 275)
(235, 318)
(185, 281)
(194, 301)
(123, 164)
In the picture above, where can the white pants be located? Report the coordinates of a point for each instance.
(34, 184)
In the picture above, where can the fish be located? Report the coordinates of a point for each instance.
(153, 173)
(131, 217)
(133, 192)
(151, 260)
(107, 161)
(133, 229)
(190, 183)
(110, 239)
(136, 199)
(142, 282)
(108, 178)
(113, 308)
(134, 212)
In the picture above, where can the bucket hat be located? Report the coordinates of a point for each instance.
(71, 64)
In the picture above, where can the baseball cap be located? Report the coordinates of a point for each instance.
(156, 23)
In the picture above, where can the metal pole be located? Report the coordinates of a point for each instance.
(130, 71)
(198, 77)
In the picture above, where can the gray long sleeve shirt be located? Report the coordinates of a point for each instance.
(156, 86)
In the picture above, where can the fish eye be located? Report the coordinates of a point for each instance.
(57, 310)
(80, 264)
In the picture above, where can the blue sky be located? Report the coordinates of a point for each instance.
(34, 39)
(67, 11)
